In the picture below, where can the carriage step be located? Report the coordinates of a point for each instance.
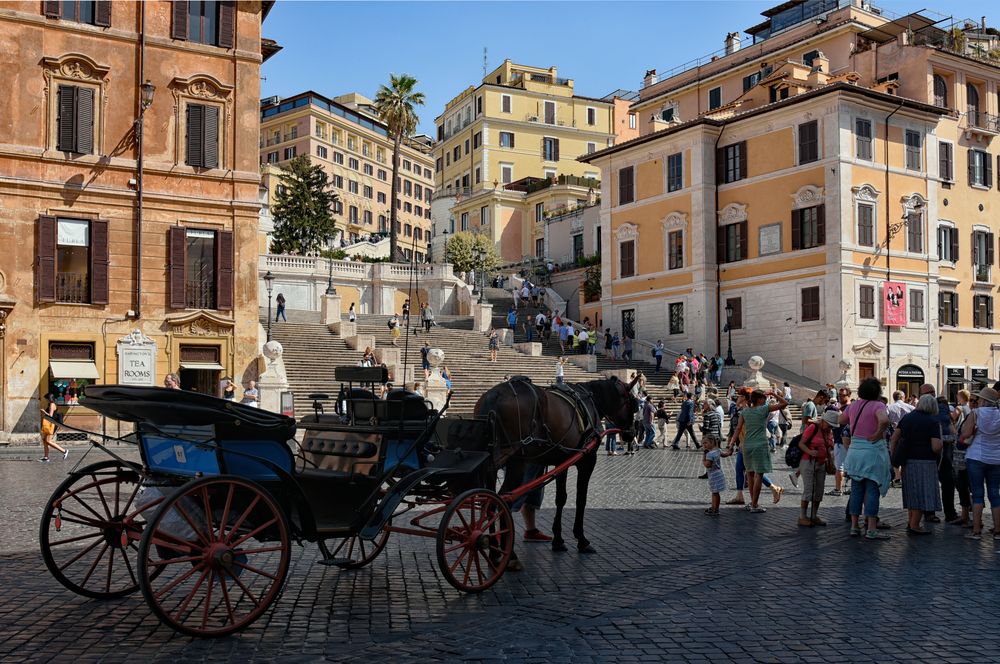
(334, 562)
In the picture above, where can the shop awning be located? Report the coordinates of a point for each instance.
(203, 366)
(73, 369)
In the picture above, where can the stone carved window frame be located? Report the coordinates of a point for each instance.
(624, 233)
(733, 213)
(915, 203)
(207, 90)
(675, 221)
(808, 196)
(82, 71)
(866, 194)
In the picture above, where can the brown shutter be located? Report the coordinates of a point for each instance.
(51, 8)
(85, 120)
(177, 241)
(720, 165)
(954, 309)
(975, 252)
(45, 278)
(102, 13)
(555, 149)
(954, 244)
(972, 170)
(66, 119)
(99, 262)
(720, 244)
(744, 241)
(224, 266)
(990, 257)
(195, 115)
(227, 24)
(989, 311)
(796, 229)
(988, 167)
(210, 140)
(821, 224)
(179, 25)
(744, 158)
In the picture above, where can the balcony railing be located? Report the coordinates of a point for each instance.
(982, 273)
(72, 287)
(199, 295)
(983, 121)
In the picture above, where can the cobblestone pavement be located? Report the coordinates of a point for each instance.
(667, 584)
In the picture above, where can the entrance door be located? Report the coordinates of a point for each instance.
(866, 370)
(909, 378)
(204, 381)
(628, 323)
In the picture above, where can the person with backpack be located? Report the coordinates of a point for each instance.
(280, 300)
(816, 448)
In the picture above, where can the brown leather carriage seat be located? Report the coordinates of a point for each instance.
(344, 451)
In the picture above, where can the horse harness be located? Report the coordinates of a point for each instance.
(580, 400)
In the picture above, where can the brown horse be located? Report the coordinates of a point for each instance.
(546, 426)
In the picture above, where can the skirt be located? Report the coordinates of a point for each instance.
(921, 490)
(757, 457)
(716, 481)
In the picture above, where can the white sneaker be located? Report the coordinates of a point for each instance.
(66, 454)
(793, 477)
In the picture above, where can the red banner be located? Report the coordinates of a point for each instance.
(893, 304)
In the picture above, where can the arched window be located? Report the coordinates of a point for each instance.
(940, 91)
(972, 103)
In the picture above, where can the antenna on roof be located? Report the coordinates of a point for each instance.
(486, 66)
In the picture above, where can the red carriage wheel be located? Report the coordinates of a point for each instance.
(355, 552)
(475, 540)
(214, 556)
(91, 527)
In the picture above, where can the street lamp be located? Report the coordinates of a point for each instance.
(478, 256)
(268, 284)
(330, 289)
(146, 92)
(730, 361)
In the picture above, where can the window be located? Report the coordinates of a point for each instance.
(751, 80)
(550, 112)
(980, 169)
(289, 153)
(368, 169)
(418, 211)
(477, 140)
(353, 164)
(338, 207)
(808, 142)
(577, 247)
(407, 165)
(75, 119)
(714, 98)
(947, 243)
(272, 157)
(732, 243)
(465, 221)
(982, 311)
(913, 144)
(591, 116)
(465, 181)
(408, 207)
(478, 175)
(484, 215)
(808, 227)
(675, 172)
(506, 139)
(205, 22)
(457, 153)
(866, 302)
(732, 162)
(321, 152)
(550, 149)
(947, 309)
(338, 158)
(479, 105)
(505, 103)
(982, 254)
(352, 186)
(667, 114)
(438, 165)
(540, 247)
(407, 188)
(946, 169)
(940, 91)
(506, 173)
(368, 192)
(380, 197)
(539, 212)
(81, 11)
(863, 138)
(382, 175)
(866, 224)
(200, 268)
(383, 223)
(626, 259)
(810, 303)
(809, 58)
(368, 217)
(591, 147)
(676, 314)
(972, 104)
(338, 181)
(320, 130)
(916, 306)
(408, 230)
(72, 261)
(202, 140)
(675, 250)
(352, 214)
(418, 192)
(466, 146)
(915, 232)
(626, 185)
(631, 121)
(736, 304)
(352, 143)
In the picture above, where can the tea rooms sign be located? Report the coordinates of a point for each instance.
(136, 360)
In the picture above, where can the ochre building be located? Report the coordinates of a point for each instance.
(99, 283)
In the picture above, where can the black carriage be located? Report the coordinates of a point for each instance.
(203, 525)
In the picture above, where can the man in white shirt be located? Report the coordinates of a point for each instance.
(897, 409)
(582, 337)
(525, 293)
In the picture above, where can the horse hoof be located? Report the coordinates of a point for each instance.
(558, 546)
(515, 566)
(587, 549)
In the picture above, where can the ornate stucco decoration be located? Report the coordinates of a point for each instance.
(75, 66)
(200, 324)
(913, 203)
(733, 214)
(136, 338)
(674, 221)
(808, 196)
(867, 349)
(627, 232)
(202, 86)
(865, 193)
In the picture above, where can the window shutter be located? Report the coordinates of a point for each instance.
(51, 8)
(224, 277)
(227, 24)
(102, 13)
(954, 309)
(66, 119)
(210, 140)
(988, 167)
(179, 24)
(720, 244)
(85, 120)
(972, 168)
(743, 160)
(744, 241)
(720, 166)
(796, 229)
(511, 139)
(99, 262)
(989, 249)
(954, 244)
(974, 251)
(944, 161)
(555, 149)
(195, 134)
(989, 311)
(177, 239)
(821, 224)
(45, 278)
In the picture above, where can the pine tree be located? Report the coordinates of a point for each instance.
(303, 209)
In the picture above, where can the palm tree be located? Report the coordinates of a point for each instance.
(394, 104)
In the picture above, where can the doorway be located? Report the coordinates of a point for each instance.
(628, 323)
(866, 370)
(909, 378)
(200, 369)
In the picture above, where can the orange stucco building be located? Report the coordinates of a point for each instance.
(99, 283)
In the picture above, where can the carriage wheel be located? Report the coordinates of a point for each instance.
(356, 552)
(91, 527)
(214, 556)
(475, 540)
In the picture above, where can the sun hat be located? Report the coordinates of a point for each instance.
(988, 394)
(832, 418)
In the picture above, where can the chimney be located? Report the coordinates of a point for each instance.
(732, 42)
(650, 78)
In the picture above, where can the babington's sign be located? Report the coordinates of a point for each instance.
(136, 360)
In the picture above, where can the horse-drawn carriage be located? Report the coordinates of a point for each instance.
(203, 524)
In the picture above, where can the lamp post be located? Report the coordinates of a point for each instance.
(330, 289)
(730, 361)
(476, 252)
(268, 284)
(146, 92)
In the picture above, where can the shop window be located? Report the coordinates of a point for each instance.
(71, 369)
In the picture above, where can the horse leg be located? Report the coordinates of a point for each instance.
(557, 541)
(584, 470)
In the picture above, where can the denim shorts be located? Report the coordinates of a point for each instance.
(534, 497)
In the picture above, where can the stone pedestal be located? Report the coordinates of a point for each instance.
(586, 362)
(329, 309)
(274, 380)
(756, 381)
(435, 389)
(360, 341)
(482, 317)
(505, 337)
(844, 381)
(532, 348)
(389, 356)
(343, 329)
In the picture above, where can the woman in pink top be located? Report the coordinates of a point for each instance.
(867, 462)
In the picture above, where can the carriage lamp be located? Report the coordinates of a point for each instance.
(730, 361)
(268, 284)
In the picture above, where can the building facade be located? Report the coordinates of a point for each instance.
(829, 187)
(99, 283)
(344, 136)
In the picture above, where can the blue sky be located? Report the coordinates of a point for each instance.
(339, 47)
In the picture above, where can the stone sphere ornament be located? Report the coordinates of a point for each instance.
(272, 350)
(756, 362)
(435, 357)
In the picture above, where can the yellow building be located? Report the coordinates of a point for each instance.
(831, 183)
(520, 122)
(344, 135)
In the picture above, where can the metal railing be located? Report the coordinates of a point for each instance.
(984, 121)
(72, 287)
(199, 294)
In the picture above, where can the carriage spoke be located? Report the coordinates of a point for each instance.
(254, 532)
(87, 507)
(458, 559)
(468, 569)
(176, 582)
(208, 599)
(225, 513)
(461, 518)
(100, 494)
(250, 568)
(455, 547)
(81, 519)
(80, 555)
(243, 517)
(111, 562)
(174, 561)
(269, 549)
(128, 566)
(225, 596)
(246, 591)
(93, 566)
(207, 508)
(179, 616)
(479, 570)
(183, 512)
(75, 539)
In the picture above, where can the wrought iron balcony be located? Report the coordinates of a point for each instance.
(199, 294)
(72, 287)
